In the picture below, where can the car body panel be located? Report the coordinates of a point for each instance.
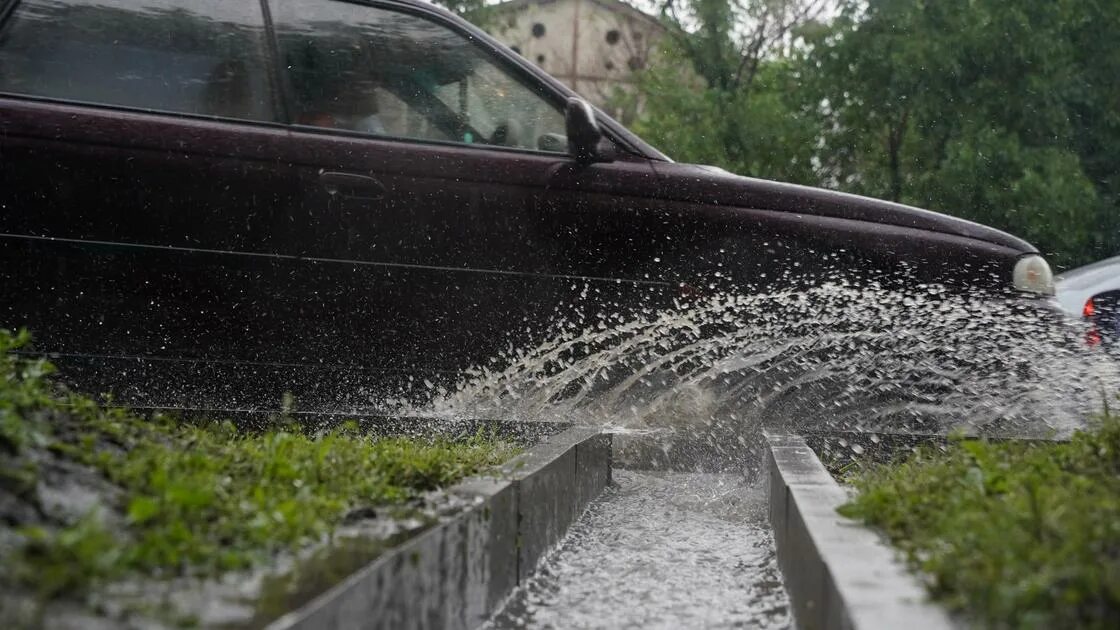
(1074, 287)
(716, 186)
(1099, 283)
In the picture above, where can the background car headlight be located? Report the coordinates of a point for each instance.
(1032, 273)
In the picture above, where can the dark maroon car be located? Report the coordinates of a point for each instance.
(212, 202)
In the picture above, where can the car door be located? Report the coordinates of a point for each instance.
(431, 159)
(145, 217)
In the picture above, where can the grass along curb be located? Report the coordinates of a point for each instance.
(1008, 534)
(90, 496)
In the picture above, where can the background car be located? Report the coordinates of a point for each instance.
(207, 205)
(1092, 292)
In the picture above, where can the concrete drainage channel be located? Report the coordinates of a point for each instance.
(457, 573)
(838, 573)
(460, 573)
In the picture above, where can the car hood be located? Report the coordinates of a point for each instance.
(710, 184)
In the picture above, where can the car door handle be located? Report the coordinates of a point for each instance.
(351, 185)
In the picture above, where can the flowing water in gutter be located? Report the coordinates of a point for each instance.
(660, 550)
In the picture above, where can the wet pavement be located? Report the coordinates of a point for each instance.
(660, 550)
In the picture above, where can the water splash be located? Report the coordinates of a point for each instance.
(834, 357)
(691, 388)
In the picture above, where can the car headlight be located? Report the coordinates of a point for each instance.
(1032, 273)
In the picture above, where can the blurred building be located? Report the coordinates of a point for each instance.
(593, 46)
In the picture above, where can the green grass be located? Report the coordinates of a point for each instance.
(1010, 534)
(190, 498)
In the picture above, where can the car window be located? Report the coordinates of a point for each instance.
(378, 71)
(202, 57)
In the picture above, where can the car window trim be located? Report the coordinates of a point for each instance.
(112, 107)
(276, 76)
(426, 142)
(6, 9)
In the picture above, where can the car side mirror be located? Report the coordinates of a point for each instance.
(585, 139)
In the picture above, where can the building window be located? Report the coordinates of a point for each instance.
(538, 30)
(636, 63)
(516, 49)
(540, 60)
(613, 36)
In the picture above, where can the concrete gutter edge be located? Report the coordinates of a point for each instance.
(459, 572)
(839, 573)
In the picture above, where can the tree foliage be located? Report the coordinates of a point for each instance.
(735, 105)
(1001, 111)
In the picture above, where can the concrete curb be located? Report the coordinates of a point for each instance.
(456, 574)
(838, 573)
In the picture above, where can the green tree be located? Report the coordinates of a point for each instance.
(1000, 111)
(993, 110)
(758, 134)
(479, 12)
(722, 92)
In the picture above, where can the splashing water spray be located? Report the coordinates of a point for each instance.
(712, 374)
(690, 389)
